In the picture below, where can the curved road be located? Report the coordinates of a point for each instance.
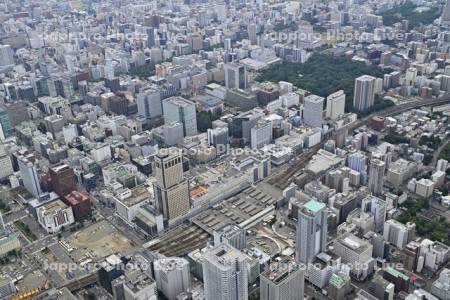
(437, 153)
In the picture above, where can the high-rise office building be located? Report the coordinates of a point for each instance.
(312, 231)
(445, 18)
(62, 179)
(376, 176)
(138, 285)
(235, 76)
(313, 111)
(377, 207)
(283, 280)
(252, 33)
(6, 167)
(232, 235)
(445, 83)
(225, 274)
(172, 276)
(152, 37)
(221, 12)
(398, 234)
(355, 252)
(261, 134)
(335, 105)
(357, 161)
(171, 188)
(178, 109)
(442, 165)
(218, 137)
(6, 56)
(149, 103)
(364, 92)
(29, 174)
(6, 130)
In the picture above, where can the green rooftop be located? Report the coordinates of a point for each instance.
(396, 273)
(314, 206)
(337, 281)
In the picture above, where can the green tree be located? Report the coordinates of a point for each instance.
(409, 12)
(395, 138)
(204, 121)
(144, 71)
(89, 296)
(324, 74)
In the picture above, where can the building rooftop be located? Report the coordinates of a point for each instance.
(277, 272)
(54, 206)
(396, 273)
(314, 206)
(337, 281)
(179, 101)
(170, 264)
(354, 243)
(225, 256)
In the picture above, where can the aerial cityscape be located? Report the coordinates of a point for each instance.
(225, 149)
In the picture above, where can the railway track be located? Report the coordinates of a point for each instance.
(284, 177)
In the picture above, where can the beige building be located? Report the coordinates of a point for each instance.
(171, 189)
(8, 243)
(424, 188)
(400, 171)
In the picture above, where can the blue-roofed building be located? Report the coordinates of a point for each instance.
(312, 231)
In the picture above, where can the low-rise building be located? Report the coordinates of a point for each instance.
(53, 216)
(441, 287)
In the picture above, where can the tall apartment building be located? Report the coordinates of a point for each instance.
(218, 137)
(178, 109)
(376, 176)
(6, 56)
(235, 76)
(364, 96)
(312, 231)
(313, 111)
(283, 280)
(357, 253)
(6, 129)
(149, 103)
(172, 276)
(225, 274)
(398, 234)
(377, 208)
(261, 134)
(171, 188)
(357, 161)
(445, 18)
(28, 172)
(335, 105)
(232, 235)
(6, 167)
(252, 33)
